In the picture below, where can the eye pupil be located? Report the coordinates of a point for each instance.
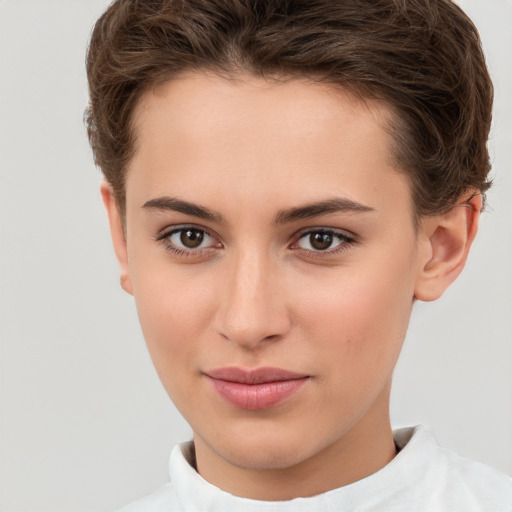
(191, 238)
(321, 241)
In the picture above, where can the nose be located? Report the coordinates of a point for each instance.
(252, 306)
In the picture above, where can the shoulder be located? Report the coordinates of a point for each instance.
(449, 482)
(162, 500)
(480, 485)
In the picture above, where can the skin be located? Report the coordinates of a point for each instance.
(257, 293)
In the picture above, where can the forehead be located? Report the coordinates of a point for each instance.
(249, 137)
(195, 103)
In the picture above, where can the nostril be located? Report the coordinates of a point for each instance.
(254, 335)
(273, 337)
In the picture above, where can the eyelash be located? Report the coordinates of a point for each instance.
(165, 239)
(345, 241)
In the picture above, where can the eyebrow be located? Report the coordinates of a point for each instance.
(316, 209)
(178, 205)
(334, 205)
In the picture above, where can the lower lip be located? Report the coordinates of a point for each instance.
(256, 397)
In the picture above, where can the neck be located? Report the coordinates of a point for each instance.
(367, 447)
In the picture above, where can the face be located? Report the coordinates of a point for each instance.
(271, 250)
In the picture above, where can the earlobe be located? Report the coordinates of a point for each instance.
(444, 247)
(118, 235)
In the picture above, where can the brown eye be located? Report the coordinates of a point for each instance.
(320, 241)
(324, 240)
(187, 238)
(190, 242)
(191, 238)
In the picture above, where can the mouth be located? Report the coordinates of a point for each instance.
(258, 389)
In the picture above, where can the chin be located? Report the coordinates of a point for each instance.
(264, 458)
(266, 451)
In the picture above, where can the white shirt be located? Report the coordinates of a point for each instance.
(422, 478)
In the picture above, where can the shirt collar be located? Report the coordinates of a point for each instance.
(417, 447)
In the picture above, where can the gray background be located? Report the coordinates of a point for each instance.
(84, 423)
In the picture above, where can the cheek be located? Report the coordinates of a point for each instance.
(359, 318)
(174, 309)
(356, 335)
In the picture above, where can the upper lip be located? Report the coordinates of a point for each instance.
(254, 376)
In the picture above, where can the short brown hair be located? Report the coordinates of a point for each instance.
(422, 57)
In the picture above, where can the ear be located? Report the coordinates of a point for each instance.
(444, 247)
(118, 235)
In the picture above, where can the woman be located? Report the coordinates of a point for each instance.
(283, 181)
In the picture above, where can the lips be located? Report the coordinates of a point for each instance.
(261, 388)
